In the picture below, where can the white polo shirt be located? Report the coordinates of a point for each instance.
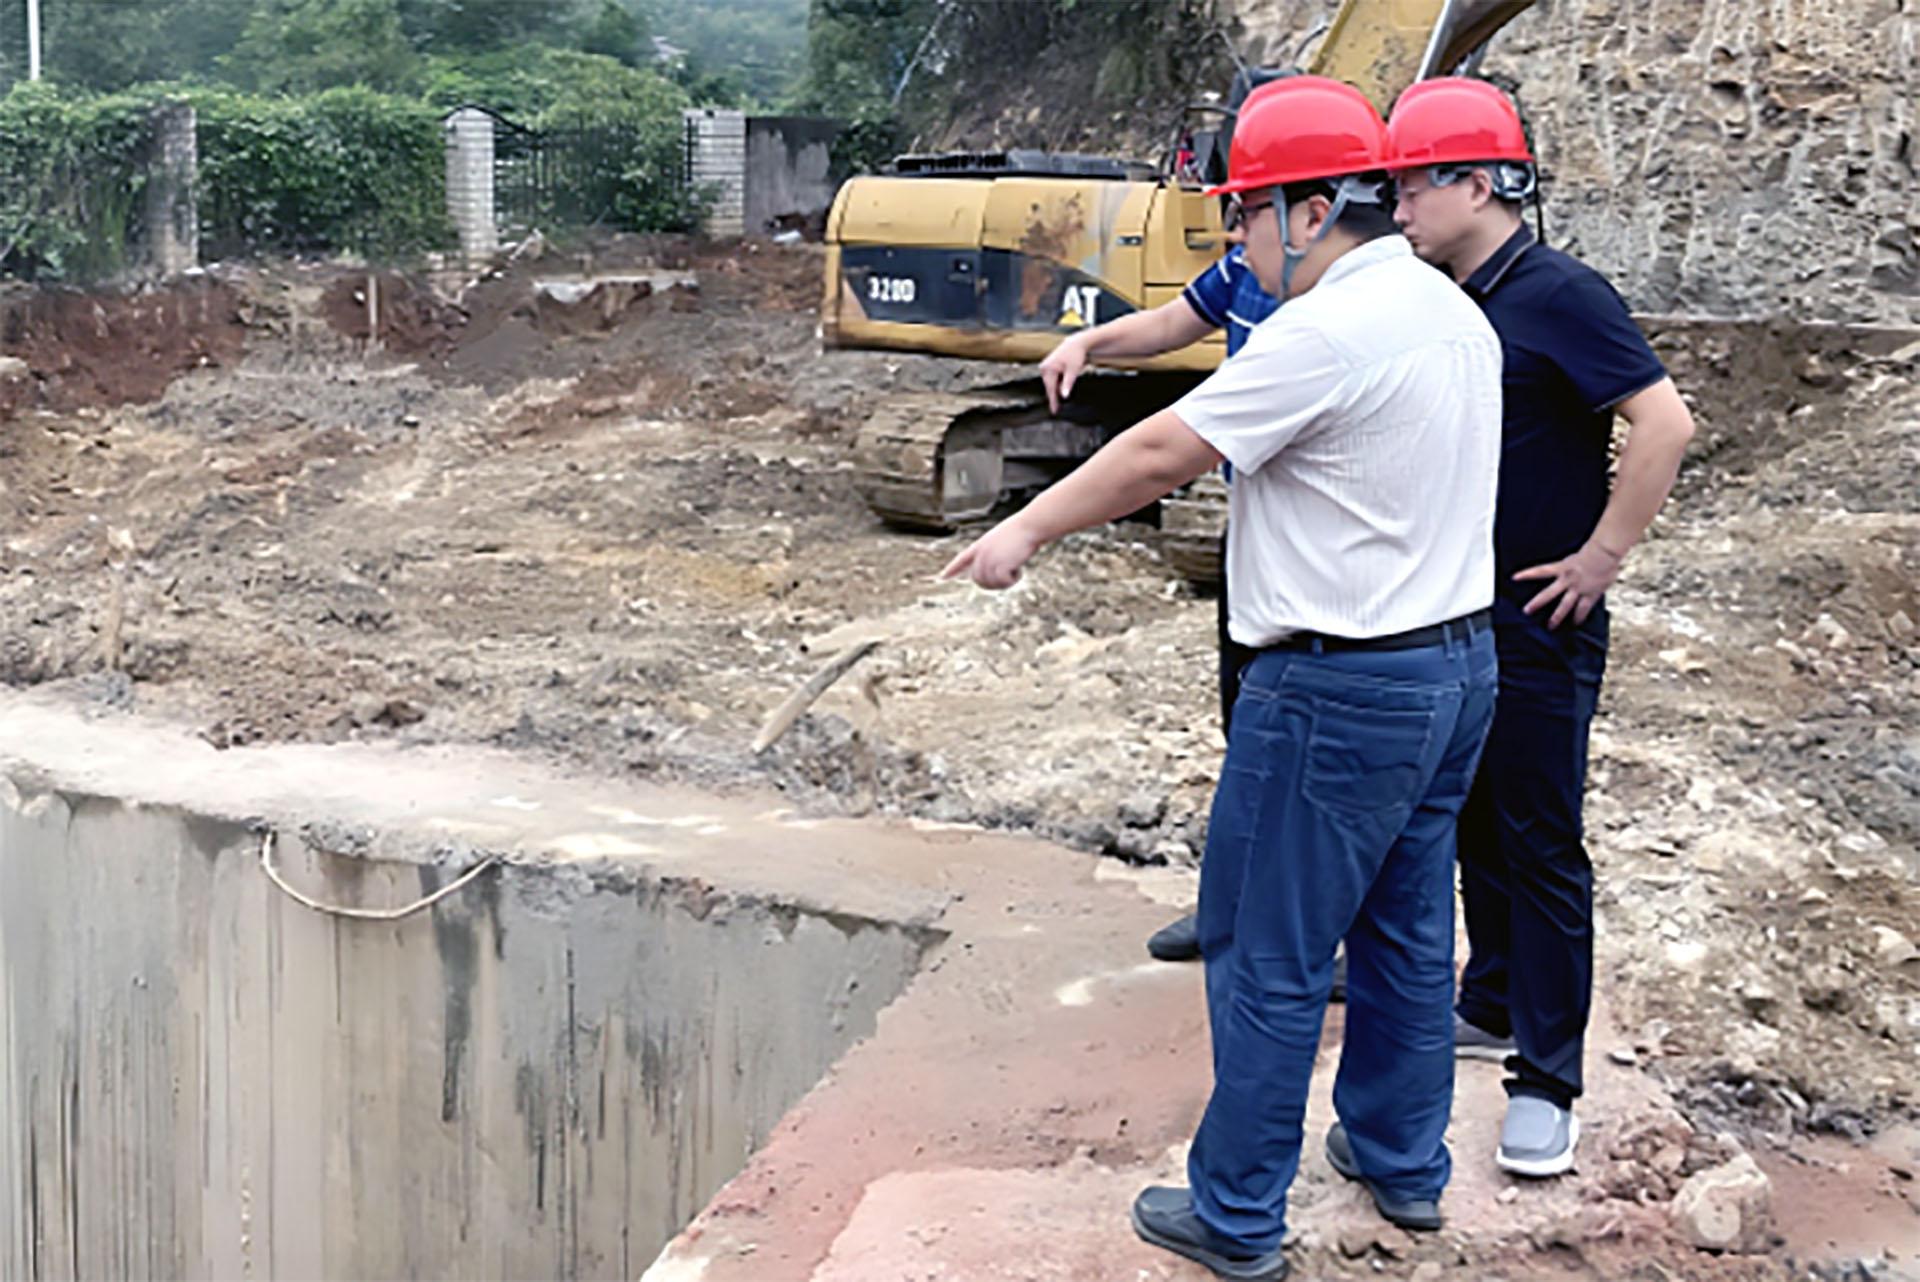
(1362, 420)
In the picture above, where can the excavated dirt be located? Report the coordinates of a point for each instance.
(620, 538)
(71, 350)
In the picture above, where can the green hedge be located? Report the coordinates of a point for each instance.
(344, 169)
(347, 169)
(72, 181)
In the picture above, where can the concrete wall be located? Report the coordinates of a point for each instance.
(788, 158)
(1720, 156)
(542, 1078)
(767, 172)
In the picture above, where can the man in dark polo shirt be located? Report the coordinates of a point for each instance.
(1572, 359)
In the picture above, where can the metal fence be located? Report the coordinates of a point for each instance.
(576, 176)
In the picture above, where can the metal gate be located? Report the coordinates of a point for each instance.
(578, 176)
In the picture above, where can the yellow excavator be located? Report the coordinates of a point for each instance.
(998, 256)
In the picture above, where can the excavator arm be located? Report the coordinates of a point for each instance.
(1382, 46)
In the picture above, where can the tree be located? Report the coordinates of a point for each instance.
(481, 25)
(110, 44)
(737, 51)
(543, 84)
(616, 32)
(300, 46)
(857, 51)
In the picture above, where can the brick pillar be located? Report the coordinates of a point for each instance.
(469, 134)
(173, 211)
(717, 147)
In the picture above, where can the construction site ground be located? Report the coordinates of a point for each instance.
(614, 527)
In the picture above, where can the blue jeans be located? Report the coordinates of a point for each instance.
(1525, 879)
(1335, 818)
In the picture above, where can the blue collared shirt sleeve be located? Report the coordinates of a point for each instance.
(1210, 294)
(1593, 339)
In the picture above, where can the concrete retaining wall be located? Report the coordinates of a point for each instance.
(544, 1077)
(788, 183)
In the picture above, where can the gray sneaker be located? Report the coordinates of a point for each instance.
(1537, 1139)
(1470, 1041)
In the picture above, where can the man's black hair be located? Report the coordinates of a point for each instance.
(1360, 220)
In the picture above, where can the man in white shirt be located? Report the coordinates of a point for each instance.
(1363, 425)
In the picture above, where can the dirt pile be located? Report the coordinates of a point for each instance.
(1759, 778)
(404, 314)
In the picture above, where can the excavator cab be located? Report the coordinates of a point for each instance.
(1209, 146)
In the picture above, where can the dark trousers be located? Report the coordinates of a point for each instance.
(1233, 656)
(1525, 879)
(1335, 818)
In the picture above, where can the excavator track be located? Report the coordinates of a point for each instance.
(935, 461)
(938, 460)
(1191, 523)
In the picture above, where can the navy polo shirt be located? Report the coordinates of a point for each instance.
(1572, 352)
(1228, 296)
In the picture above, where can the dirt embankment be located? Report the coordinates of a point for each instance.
(68, 349)
(618, 536)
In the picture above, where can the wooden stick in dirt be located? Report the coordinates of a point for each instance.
(120, 554)
(373, 314)
(110, 630)
(800, 700)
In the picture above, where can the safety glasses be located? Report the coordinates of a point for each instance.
(1510, 180)
(1236, 213)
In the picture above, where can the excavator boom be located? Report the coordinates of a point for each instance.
(1382, 46)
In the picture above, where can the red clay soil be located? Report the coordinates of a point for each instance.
(96, 349)
(413, 321)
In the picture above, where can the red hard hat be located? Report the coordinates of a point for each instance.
(1303, 127)
(1454, 120)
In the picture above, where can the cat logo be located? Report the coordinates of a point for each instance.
(1079, 306)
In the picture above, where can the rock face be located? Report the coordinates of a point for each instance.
(1727, 1208)
(1714, 156)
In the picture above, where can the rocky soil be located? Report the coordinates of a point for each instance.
(1713, 156)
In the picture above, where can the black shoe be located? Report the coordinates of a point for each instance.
(1181, 942)
(1178, 942)
(1419, 1214)
(1164, 1216)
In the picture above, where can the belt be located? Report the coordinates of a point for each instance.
(1459, 629)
